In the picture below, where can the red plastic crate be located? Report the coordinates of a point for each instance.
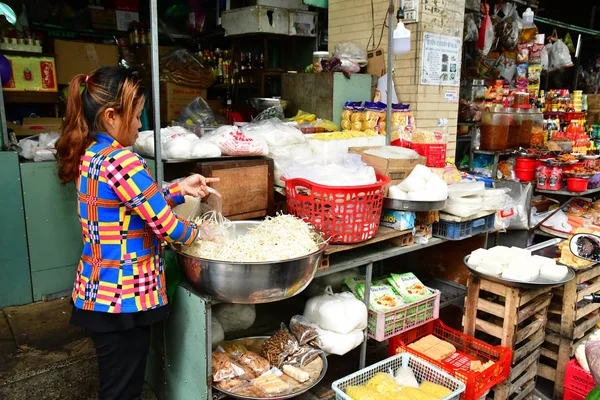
(577, 379)
(435, 154)
(344, 214)
(458, 365)
(571, 395)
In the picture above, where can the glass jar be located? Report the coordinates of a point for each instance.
(532, 121)
(318, 56)
(495, 123)
(521, 99)
(514, 129)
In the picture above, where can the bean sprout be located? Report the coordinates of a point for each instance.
(283, 237)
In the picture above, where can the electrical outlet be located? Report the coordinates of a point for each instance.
(410, 16)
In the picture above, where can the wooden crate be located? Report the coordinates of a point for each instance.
(570, 322)
(246, 184)
(514, 318)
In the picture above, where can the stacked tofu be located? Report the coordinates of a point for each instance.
(433, 348)
(516, 264)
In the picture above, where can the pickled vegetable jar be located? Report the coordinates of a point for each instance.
(514, 129)
(532, 121)
(494, 129)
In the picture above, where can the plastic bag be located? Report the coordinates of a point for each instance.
(303, 330)
(337, 343)
(545, 56)
(560, 57)
(269, 113)
(473, 5)
(280, 346)
(235, 317)
(569, 42)
(509, 27)
(256, 363)
(223, 368)
(351, 51)
(471, 33)
(592, 354)
(341, 313)
(274, 132)
(304, 356)
(183, 68)
(351, 171)
(518, 206)
(507, 65)
(232, 142)
(486, 34)
(198, 112)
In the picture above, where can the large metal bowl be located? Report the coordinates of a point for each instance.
(249, 283)
(262, 103)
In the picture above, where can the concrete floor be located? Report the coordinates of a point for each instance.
(42, 356)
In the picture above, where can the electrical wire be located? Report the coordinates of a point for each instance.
(383, 26)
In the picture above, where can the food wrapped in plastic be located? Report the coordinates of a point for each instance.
(224, 368)
(280, 346)
(256, 363)
(346, 125)
(232, 348)
(304, 356)
(232, 385)
(383, 383)
(592, 353)
(366, 393)
(247, 390)
(303, 330)
(271, 384)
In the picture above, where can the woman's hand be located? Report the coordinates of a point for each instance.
(196, 185)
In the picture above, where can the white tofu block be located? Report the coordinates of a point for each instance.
(520, 274)
(553, 272)
(539, 260)
(490, 266)
(519, 252)
(520, 263)
(499, 250)
(477, 256)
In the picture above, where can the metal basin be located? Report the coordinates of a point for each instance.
(249, 283)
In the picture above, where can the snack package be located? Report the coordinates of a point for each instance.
(247, 390)
(521, 78)
(304, 356)
(375, 117)
(522, 53)
(232, 348)
(280, 346)
(256, 363)
(303, 330)
(271, 383)
(533, 79)
(382, 298)
(232, 385)
(409, 287)
(223, 368)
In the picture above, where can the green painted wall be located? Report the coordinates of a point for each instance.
(15, 284)
(53, 229)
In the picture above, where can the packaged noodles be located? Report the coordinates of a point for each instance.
(409, 287)
(382, 297)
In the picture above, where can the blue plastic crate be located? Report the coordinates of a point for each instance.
(463, 230)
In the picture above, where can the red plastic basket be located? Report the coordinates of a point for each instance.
(348, 214)
(435, 154)
(571, 395)
(458, 365)
(577, 379)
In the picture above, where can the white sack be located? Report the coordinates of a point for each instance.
(217, 333)
(235, 317)
(341, 313)
(339, 344)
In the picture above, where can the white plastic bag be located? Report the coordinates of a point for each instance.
(232, 142)
(235, 317)
(337, 343)
(464, 206)
(466, 188)
(341, 313)
(274, 132)
(351, 171)
(560, 57)
(335, 281)
(486, 34)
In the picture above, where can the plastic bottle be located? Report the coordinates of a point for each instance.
(529, 30)
(401, 39)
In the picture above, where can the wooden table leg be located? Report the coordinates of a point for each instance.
(471, 305)
(511, 307)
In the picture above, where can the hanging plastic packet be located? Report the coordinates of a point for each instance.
(375, 117)
(486, 33)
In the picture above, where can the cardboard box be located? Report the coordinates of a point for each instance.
(173, 98)
(398, 220)
(35, 74)
(74, 58)
(125, 18)
(397, 170)
(34, 126)
(376, 65)
(103, 19)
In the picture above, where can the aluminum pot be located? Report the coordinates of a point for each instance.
(249, 283)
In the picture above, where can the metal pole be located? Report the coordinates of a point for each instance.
(390, 67)
(367, 299)
(4, 138)
(156, 91)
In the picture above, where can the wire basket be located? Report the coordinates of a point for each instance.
(459, 364)
(345, 214)
(423, 371)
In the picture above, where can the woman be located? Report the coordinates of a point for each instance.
(120, 287)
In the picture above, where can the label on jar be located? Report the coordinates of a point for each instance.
(541, 181)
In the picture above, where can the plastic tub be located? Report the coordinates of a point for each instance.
(514, 129)
(494, 129)
(525, 175)
(577, 184)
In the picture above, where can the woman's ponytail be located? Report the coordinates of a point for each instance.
(75, 136)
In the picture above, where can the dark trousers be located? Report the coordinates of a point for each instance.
(122, 362)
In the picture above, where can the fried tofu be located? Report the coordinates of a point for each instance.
(433, 347)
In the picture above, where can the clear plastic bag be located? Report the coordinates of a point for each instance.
(304, 356)
(232, 142)
(350, 50)
(471, 33)
(486, 34)
(280, 346)
(198, 112)
(269, 113)
(183, 68)
(256, 363)
(509, 26)
(224, 368)
(303, 330)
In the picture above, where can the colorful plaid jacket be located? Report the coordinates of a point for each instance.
(123, 216)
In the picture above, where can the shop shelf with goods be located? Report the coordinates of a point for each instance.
(571, 320)
(511, 317)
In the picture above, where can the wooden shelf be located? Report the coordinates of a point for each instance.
(567, 193)
(31, 97)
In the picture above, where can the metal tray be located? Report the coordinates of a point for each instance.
(409, 205)
(283, 397)
(536, 284)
